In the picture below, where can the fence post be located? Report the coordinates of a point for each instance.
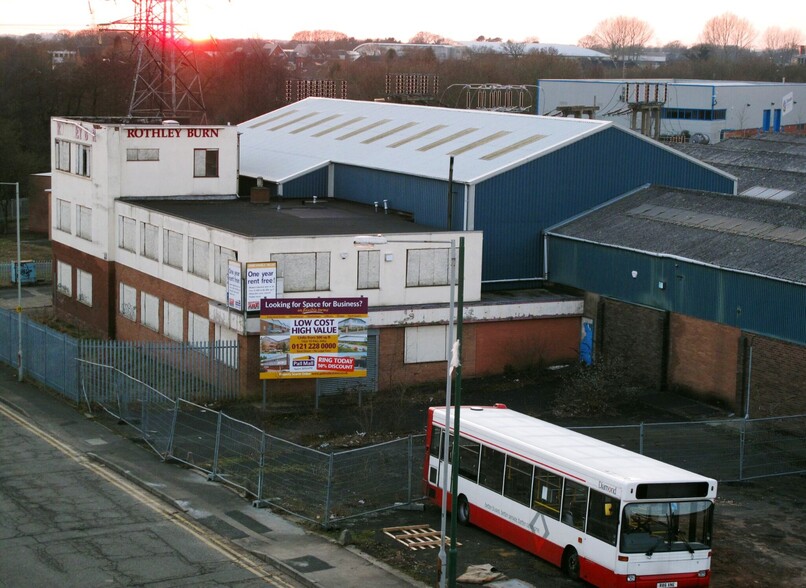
(410, 465)
(262, 465)
(214, 473)
(742, 435)
(329, 489)
(641, 438)
(169, 449)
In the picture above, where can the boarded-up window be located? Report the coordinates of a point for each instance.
(425, 344)
(127, 229)
(205, 163)
(142, 154)
(198, 257)
(369, 269)
(62, 155)
(221, 263)
(427, 267)
(149, 241)
(198, 328)
(64, 278)
(63, 221)
(84, 287)
(303, 272)
(172, 248)
(172, 321)
(128, 301)
(84, 222)
(228, 355)
(150, 311)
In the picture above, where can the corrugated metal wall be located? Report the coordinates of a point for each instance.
(311, 184)
(425, 198)
(752, 303)
(514, 208)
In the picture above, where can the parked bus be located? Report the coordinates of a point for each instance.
(604, 514)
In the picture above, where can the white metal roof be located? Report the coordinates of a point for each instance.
(407, 139)
(562, 449)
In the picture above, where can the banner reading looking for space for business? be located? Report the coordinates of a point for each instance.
(313, 338)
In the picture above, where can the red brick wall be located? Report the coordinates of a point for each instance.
(777, 374)
(95, 319)
(704, 359)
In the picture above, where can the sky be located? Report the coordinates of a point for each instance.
(269, 19)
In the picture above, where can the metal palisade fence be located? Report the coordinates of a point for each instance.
(203, 372)
(317, 486)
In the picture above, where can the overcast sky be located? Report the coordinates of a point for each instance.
(461, 21)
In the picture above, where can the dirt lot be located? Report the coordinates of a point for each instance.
(758, 539)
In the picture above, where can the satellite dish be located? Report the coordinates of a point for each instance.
(700, 138)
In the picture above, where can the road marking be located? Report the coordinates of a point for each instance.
(171, 514)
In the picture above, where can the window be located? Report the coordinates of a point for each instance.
(424, 344)
(127, 228)
(198, 328)
(436, 441)
(468, 458)
(369, 269)
(82, 161)
(198, 257)
(62, 155)
(205, 163)
(427, 267)
(142, 154)
(84, 287)
(63, 216)
(694, 113)
(150, 311)
(226, 354)
(547, 490)
(173, 321)
(221, 256)
(149, 241)
(603, 513)
(84, 222)
(518, 480)
(575, 504)
(64, 278)
(128, 302)
(491, 470)
(303, 272)
(172, 248)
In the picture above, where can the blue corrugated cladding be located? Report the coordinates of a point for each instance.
(514, 208)
(752, 303)
(426, 199)
(310, 184)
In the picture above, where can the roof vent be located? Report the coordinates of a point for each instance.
(170, 123)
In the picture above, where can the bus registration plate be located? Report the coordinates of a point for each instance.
(667, 585)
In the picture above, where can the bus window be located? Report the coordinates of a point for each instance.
(468, 459)
(575, 502)
(547, 491)
(518, 480)
(436, 441)
(491, 471)
(603, 513)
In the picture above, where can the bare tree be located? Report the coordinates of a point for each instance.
(424, 37)
(513, 49)
(622, 37)
(318, 36)
(781, 45)
(728, 32)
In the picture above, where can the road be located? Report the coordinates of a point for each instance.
(68, 521)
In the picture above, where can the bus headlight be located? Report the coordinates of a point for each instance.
(702, 573)
(631, 577)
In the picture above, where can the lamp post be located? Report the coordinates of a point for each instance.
(452, 354)
(19, 283)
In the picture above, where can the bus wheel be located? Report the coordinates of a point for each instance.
(463, 510)
(571, 563)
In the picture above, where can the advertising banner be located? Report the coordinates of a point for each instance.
(234, 291)
(313, 338)
(261, 282)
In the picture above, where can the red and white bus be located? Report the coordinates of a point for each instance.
(607, 515)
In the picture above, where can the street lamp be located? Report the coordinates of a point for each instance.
(19, 284)
(447, 560)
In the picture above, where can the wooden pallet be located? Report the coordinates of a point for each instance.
(416, 536)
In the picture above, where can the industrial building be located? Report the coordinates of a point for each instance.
(702, 110)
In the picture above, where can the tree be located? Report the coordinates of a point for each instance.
(622, 37)
(426, 38)
(318, 36)
(513, 49)
(781, 45)
(728, 32)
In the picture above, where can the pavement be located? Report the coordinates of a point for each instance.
(30, 297)
(310, 558)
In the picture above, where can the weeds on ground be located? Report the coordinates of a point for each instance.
(594, 390)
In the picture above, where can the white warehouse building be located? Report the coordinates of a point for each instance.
(706, 111)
